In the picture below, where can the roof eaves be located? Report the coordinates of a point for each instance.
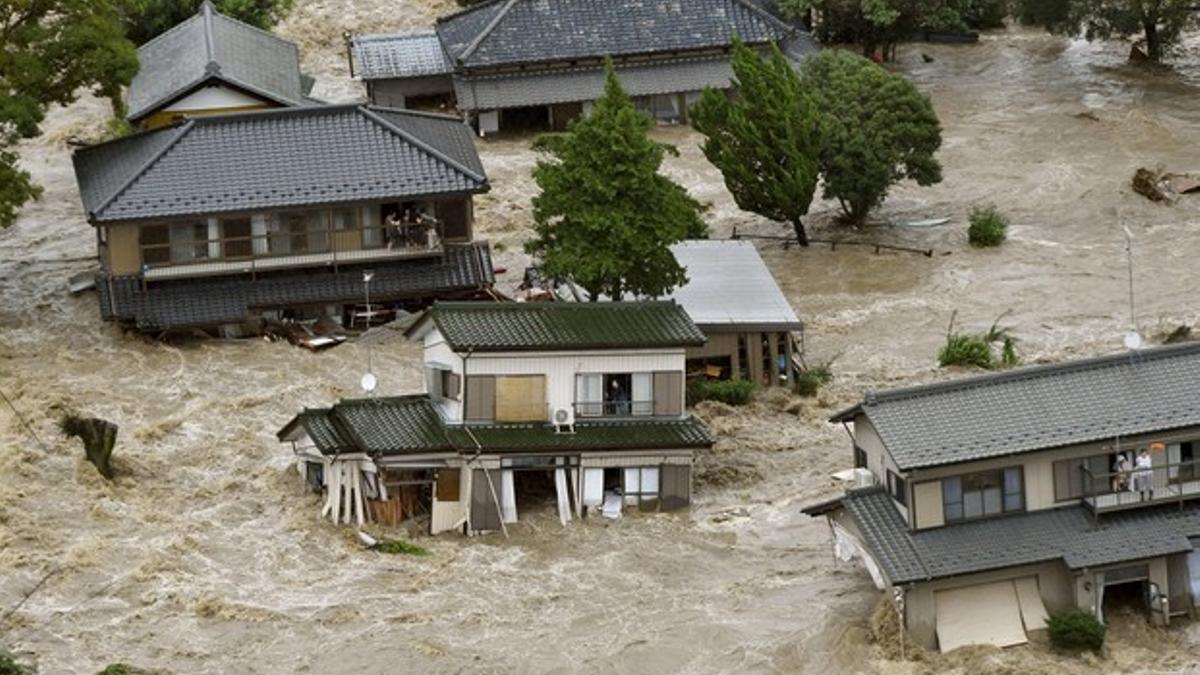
(180, 132)
(425, 147)
(769, 18)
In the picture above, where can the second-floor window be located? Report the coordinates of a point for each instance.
(444, 383)
(628, 394)
(983, 494)
(175, 243)
(898, 488)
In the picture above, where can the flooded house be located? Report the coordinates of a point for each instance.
(575, 405)
(223, 221)
(213, 64)
(989, 502)
(520, 64)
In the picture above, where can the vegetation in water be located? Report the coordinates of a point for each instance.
(118, 669)
(765, 140)
(810, 380)
(989, 227)
(731, 392)
(145, 19)
(10, 666)
(876, 130)
(400, 547)
(1076, 630)
(52, 52)
(980, 350)
(1160, 23)
(606, 217)
(98, 437)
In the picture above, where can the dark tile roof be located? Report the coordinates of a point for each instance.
(412, 425)
(381, 57)
(1038, 407)
(276, 159)
(221, 300)
(526, 31)
(212, 46)
(1066, 533)
(492, 327)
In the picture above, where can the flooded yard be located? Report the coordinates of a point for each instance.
(205, 556)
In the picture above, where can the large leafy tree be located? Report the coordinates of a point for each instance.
(1159, 22)
(52, 50)
(765, 139)
(881, 24)
(605, 216)
(876, 130)
(144, 19)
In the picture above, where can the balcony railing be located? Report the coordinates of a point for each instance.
(1119, 490)
(600, 409)
(275, 251)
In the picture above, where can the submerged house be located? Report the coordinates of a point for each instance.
(1002, 498)
(540, 63)
(581, 405)
(223, 219)
(212, 64)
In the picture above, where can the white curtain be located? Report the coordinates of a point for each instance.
(258, 228)
(632, 485)
(593, 487)
(589, 393)
(643, 393)
(508, 497)
(214, 234)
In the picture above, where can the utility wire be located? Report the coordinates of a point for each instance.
(25, 424)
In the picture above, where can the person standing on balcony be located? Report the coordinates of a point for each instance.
(1121, 470)
(1143, 475)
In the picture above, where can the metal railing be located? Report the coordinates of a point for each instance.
(595, 409)
(1116, 490)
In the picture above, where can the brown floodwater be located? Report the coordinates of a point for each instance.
(204, 556)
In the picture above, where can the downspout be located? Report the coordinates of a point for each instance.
(347, 39)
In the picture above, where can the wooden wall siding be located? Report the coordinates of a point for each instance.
(668, 393)
(927, 504)
(521, 398)
(675, 487)
(485, 513)
(481, 398)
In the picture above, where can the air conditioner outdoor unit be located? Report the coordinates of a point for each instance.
(564, 421)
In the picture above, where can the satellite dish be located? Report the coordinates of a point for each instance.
(368, 383)
(1133, 340)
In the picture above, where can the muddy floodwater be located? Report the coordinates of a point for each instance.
(204, 556)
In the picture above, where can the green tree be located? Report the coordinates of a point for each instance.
(605, 216)
(52, 50)
(766, 139)
(876, 130)
(1159, 22)
(882, 24)
(145, 19)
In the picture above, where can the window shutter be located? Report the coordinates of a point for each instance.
(434, 378)
(668, 393)
(481, 398)
(453, 385)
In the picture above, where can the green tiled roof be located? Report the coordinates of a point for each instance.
(411, 425)
(484, 327)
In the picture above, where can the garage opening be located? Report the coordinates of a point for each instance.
(997, 613)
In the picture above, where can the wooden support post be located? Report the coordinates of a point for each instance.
(773, 352)
(787, 355)
(736, 361)
(755, 356)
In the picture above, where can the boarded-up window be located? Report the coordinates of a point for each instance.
(668, 393)
(676, 487)
(481, 398)
(521, 398)
(485, 513)
(448, 485)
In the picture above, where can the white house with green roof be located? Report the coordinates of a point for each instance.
(528, 404)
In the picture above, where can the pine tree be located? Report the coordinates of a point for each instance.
(605, 217)
(765, 140)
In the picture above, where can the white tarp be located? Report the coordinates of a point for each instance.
(564, 503)
(847, 547)
(987, 614)
(1193, 563)
(593, 487)
(508, 497)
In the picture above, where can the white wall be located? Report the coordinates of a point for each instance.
(210, 98)
(559, 368)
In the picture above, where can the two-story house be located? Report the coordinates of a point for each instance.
(213, 64)
(580, 404)
(1003, 497)
(226, 219)
(540, 63)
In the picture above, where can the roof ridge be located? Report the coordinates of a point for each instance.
(206, 11)
(377, 37)
(422, 145)
(303, 110)
(487, 30)
(415, 113)
(762, 13)
(1031, 372)
(260, 31)
(467, 10)
(180, 132)
(172, 29)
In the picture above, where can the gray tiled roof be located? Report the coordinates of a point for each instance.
(492, 327)
(1038, 407)
(526, 31)
(486, 92)
(216, 301)
(208, 46)
(276, 159)
(379, 57)
(411, 425)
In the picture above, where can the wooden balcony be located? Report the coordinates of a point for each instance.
(1121, 490)
(274, 252)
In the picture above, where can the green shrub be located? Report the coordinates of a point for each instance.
(733, 392)
(1076, 630)
(988, 227)
(400, 547)
(117, 669)
(966, 350)
(10, 666)
(810, 380)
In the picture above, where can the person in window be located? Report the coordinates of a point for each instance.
(393, 230)
(1121, 470)
(1143, 474)
(619, 398)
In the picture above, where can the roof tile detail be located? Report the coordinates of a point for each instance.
(400, 55)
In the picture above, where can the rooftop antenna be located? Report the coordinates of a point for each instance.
(1133, 340)
(368, 382)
